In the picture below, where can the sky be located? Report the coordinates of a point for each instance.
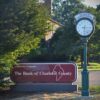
(92, 3)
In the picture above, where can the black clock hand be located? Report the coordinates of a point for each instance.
(84, 29)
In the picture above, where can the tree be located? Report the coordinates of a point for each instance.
(22, 26)
(19, 17)
(66, 41)
(94, 43)
(64, 10)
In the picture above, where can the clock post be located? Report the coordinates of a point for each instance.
(85, 25)
(85, 73)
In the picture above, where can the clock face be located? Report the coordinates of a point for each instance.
(84, 27)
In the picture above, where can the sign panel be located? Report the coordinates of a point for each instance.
(44, 73)
(84, 15)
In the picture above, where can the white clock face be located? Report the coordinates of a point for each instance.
(84, 27)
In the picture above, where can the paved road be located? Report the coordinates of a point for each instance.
(94, 78)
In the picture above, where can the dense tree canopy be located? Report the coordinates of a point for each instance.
(64, 10)
(66, 44)
(94, 43)
(22, 26)
(66, 41)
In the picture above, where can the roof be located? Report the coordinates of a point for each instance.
(52, 20)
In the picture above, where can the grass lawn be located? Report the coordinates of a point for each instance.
(92, 89)
(91, 66)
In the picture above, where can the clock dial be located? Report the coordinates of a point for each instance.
(84, 27)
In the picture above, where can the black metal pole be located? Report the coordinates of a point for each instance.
(85, 73)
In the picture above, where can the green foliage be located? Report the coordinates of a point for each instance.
(66, 44)
(64, 10)
(66, 41)
(94, 42)
(22, 26)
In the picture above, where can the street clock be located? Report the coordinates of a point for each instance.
(85, 23)
(84, 27)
